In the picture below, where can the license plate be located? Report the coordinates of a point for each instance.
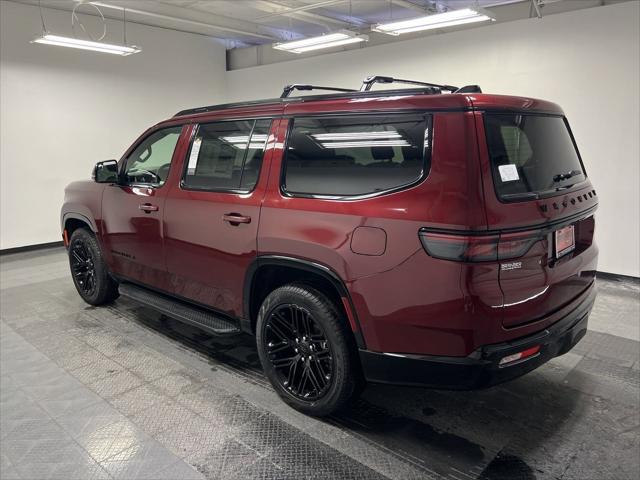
(565, 241)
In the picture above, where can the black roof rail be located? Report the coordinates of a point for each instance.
(347, 93)
(469, 89)
(368, 82)
(299, 86)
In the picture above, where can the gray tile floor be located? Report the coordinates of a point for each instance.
(122, 392)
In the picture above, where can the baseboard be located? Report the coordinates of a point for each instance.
(616, 276)
(31, 248)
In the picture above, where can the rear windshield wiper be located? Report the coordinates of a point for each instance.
(520, 196)
(564, 176)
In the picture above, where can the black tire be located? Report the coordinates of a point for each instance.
(325, 332)
(88, 269)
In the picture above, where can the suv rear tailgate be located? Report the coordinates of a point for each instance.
(538, 284)
(535, 185)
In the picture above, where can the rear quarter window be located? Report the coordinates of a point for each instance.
(349, 156)
(531, 155)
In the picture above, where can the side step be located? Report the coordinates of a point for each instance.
(180, 310)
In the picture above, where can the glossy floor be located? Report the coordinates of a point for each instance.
(122, 392)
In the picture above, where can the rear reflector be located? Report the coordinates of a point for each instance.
(529, 352)
(347, 308)
(478, 248)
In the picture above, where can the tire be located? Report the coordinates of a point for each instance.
(88, 269)
(295, 359)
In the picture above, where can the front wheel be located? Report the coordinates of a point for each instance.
(88, 269)
(305, 350)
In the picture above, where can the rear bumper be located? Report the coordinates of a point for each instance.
(481, 368)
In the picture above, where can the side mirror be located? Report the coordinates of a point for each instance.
(105, 172)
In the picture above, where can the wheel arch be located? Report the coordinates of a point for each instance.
(73, 221)
(268, 272)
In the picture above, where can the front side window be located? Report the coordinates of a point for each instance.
(531, 155)
(227, 155)
(149, 163)
(356, 155)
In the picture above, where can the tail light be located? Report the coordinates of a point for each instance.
(478, 248)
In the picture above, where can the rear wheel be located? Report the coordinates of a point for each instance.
(88, 269)
(305, 350)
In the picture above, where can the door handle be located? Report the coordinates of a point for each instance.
(147, 207)
(235, 219)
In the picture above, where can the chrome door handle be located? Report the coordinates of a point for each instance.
(147, 207)
(235, 218)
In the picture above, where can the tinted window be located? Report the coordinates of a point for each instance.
(531, 154)
(227, 155)
(343, 156)
(149, 163)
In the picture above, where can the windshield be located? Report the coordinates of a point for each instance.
(531, 155)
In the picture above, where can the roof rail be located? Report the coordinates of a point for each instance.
(469, 89)
(308, 98)
(299, 86)
(368, 82)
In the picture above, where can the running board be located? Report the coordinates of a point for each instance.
(180, 310)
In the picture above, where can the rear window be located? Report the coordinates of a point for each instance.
(356, 155)
(531, 155)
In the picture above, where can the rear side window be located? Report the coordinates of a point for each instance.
(531, 155)
(356, 155)
(226, 155)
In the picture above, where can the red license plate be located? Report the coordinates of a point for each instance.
(565, 241)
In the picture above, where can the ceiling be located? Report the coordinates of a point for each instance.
(244, 23)
(240, 23)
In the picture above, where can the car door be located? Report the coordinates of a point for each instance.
(211, 216)
(132, 209)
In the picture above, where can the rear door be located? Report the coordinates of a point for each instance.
(212, 214)
(540, 200)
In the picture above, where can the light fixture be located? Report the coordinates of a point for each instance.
(343, 37)
(240, 141)
(70, 42)
(355, 135)
(367, 144)
(438, 20)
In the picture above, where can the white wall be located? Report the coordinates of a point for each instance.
(61, 110)
(585, 60)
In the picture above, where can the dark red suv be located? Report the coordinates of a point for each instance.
(406, 236)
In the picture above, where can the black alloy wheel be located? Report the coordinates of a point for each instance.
(299, 352)
(83, 268)
(89, 270)
(307, 351)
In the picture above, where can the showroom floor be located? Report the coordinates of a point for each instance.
(122, 392)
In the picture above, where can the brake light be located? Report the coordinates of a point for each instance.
(461, 248)
(478, 248)
(528, 353)
(514, 245)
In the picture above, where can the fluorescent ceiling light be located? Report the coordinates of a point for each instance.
(245, 138)
(123, 50)
(329, 40)
(366, 143)
(355, 135)
(252, 146)
(438, 20)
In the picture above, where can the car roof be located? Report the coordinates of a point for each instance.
(382, 101)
